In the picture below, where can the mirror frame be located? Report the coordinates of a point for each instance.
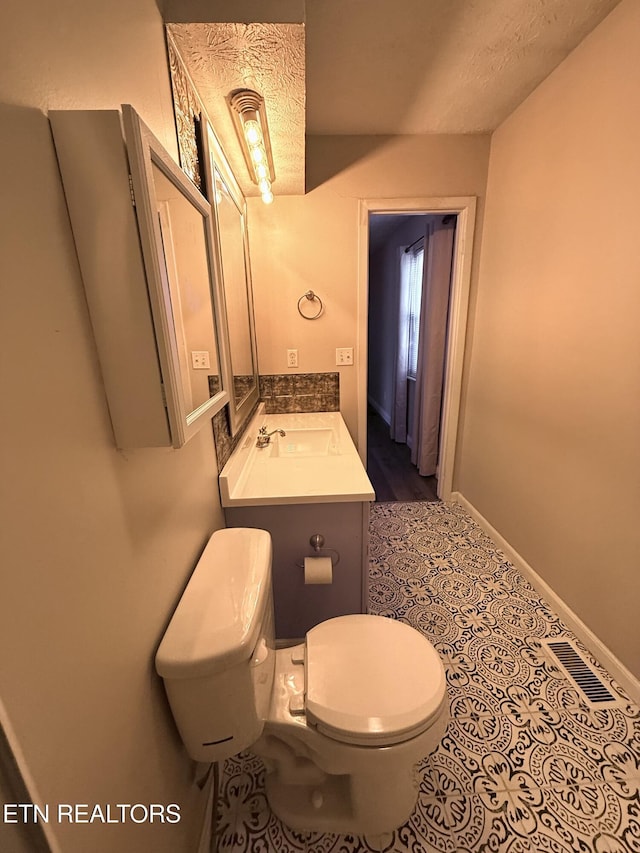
(214, 158)
(145, 151)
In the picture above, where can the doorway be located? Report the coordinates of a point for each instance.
(464, 210)
(410, 264)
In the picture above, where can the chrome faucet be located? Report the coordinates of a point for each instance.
(264, 437)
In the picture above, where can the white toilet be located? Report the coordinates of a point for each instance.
(340, 720)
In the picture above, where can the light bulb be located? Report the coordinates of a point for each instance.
(261, 171)
(252, 132)
(257, 154)
(264, 186)
(267, 197)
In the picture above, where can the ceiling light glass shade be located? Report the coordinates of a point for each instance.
(252, 132)
(250, 120)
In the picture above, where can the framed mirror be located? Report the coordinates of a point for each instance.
(235, 274)
(177, 234)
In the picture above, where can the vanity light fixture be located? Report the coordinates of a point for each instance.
(250, 120)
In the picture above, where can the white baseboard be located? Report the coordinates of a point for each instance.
(602, 653)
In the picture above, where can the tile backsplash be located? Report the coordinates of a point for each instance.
(282, 393)
(285, 393)
(222, 437)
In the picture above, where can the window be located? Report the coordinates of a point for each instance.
(412, 268)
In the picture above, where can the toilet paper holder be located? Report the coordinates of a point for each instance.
(317, 543)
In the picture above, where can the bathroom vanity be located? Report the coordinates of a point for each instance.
(309, 481)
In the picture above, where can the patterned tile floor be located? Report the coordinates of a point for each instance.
(526, 763)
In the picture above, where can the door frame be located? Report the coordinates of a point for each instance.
(464, 207)
(17, 784)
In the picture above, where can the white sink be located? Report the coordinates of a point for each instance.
(304, 442)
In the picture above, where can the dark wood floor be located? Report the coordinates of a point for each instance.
(389, 466)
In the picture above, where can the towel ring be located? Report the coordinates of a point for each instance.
(311, 296)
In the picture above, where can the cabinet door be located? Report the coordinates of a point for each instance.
(144, 236)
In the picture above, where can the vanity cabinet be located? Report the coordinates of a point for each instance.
(146, 245)
(344, 526)
(309, 479)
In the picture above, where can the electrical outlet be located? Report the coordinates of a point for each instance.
(344, 355)
(200, 360)
(292, 358)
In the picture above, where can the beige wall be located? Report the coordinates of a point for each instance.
(97, 544)
(311, 241)
(551, 442)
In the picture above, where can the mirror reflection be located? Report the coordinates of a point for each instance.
(236, 289)
(184, 241)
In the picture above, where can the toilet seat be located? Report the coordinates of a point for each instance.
(371, 681)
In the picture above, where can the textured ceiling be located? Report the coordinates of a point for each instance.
(268, 58)
(380, 67)
(433, 66)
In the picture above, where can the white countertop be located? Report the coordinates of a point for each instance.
(254, 476)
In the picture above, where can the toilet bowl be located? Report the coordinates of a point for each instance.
(339, 720)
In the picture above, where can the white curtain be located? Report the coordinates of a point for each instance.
(407, 265)
(438, 255)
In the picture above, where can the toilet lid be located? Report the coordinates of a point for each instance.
(371, 680)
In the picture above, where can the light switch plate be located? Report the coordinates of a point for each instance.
(200, 360)
(344, 355)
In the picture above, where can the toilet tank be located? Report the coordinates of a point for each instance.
(217, 656)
